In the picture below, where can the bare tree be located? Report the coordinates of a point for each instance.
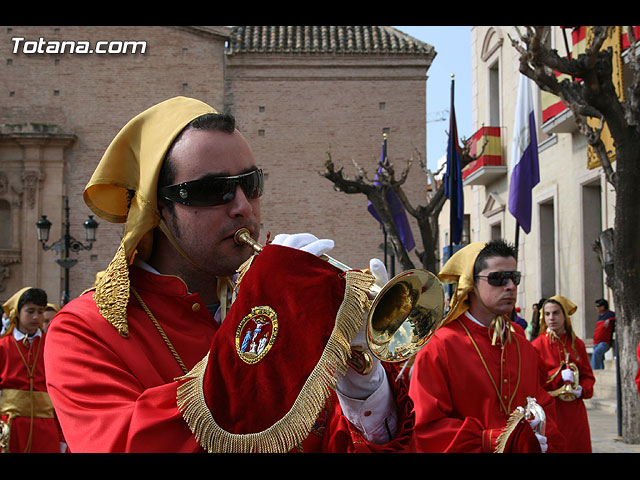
(376, 191)
(590, 93)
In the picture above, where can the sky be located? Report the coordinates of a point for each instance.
(453, 56)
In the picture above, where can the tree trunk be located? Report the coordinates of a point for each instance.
(382, 207)
(627, 279)
(429, 243)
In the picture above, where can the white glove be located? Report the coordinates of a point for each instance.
(567, 375)
(578, 391)
(379, 271)
(542, 440)
(305, 242)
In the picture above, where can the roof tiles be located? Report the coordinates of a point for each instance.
(325, 39)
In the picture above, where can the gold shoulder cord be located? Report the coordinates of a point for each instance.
(506, 410)
(289, 431)
(161, 331)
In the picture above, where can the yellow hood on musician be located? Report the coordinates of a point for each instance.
(123, 189)
(459, 270)
(568, 307)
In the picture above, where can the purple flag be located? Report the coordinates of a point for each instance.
(398, 212)
(525, 173)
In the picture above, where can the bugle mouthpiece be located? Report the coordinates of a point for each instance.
(243, 237)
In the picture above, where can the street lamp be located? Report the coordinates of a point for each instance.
(66, 244)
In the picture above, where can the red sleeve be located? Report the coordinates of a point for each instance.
(101, 394)
(587, 378)
(344, 437)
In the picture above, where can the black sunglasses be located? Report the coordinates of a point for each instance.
(500, 279)
(211, 191)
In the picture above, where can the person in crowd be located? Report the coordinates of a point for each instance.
(476, 384)
(518, 319)
(153, 359)
(603, 334)
(5, 323)
(534, 325)
(570, 379)
(27, 417)
(49, 313)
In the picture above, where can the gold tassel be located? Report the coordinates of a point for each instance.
(500, 326)
(294, 427)
(512, 423)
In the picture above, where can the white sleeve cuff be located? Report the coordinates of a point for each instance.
(376, 416)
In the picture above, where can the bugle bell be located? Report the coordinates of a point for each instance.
(5, 430)
(403, 314)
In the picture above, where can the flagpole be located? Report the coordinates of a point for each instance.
(517, 238)
(392, 259)
(384, 230)
(451, 212)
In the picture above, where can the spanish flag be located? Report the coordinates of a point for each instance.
(492, 153)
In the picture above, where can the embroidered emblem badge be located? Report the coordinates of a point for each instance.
(256, 334)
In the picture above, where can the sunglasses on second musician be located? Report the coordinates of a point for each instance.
(500, 279)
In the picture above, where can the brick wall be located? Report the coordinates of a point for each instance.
(292, 111)
(92, 96)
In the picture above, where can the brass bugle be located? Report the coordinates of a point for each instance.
(403, 314)
(565, 392)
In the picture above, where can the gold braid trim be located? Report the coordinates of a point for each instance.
(289, 431)
(112, 292)
(242, 269)
(512, 423)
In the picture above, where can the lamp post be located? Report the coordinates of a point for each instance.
(66, 243)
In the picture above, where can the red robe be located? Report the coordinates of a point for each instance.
(572, 416)
(457, 407)
(14, 375)
(114, 394)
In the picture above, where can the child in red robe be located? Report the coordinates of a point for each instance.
(26, 412)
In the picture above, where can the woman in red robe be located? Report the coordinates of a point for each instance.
(26, 412)
(570, 378)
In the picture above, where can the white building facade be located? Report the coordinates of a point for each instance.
(571, 205)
